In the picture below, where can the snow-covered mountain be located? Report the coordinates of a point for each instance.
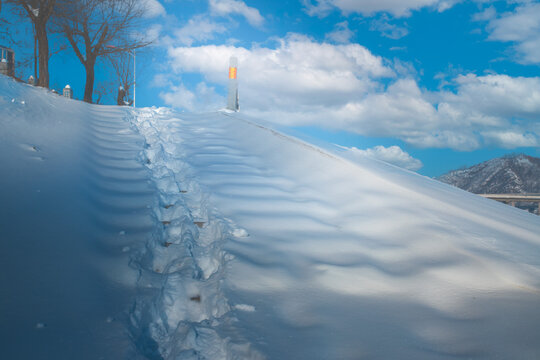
(152, 234)
(506, 175)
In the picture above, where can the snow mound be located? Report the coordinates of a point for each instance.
(132, 234)
(350, 257)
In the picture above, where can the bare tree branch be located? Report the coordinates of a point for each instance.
(121, 63)
(97, 28)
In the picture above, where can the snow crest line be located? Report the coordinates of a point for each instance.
(283, 136)
(180, 304)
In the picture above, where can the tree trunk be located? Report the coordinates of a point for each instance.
(89, 86)
(43, 46)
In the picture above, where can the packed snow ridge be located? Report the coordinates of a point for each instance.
(152, 234)
(184, 254)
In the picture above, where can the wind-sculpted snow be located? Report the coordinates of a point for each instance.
(339, 260)
(74, 209)
(131, 234)
(184, 258)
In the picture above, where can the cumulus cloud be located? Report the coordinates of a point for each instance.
(346, 87)
(522, 27)
(341, 33)
(152, 33)
(487, 14)
(204, 98)
(153, 8)
(393, 155)
(510, 139)
(198, 29)
(387, 29)
(398, 8)
(236, 7)
(299, 72)
(492, 100)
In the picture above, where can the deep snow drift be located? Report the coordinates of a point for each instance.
(148, 233)
(74, 209)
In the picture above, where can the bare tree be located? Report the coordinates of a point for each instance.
(39, 12)
(96, 28)
(121, 62)
(103, 90)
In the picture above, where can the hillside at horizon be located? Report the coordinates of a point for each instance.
(511, 174)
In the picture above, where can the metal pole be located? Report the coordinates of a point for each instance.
(134, 78)
(232, 98)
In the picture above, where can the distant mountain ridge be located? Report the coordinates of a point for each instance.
(513, 174)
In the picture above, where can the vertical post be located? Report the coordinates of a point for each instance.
(232, 99)
(134, 78)
(67, 92)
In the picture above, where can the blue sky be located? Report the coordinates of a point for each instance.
(430, 85)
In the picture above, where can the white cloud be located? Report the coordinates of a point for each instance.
(522, 27)
(496, 97)
(387, 29)
(204, 98)
(393, 155)
(303, 71)
(151, 33)
(341, 33)
(510, 139)
(198, 29)
(487, 14)
(229, 7)
(398, 8)
(153, 8)
(160, 80)
(303, 82)
(320, 8)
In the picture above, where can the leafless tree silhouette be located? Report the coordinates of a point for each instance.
(39, 12)
(97, 28)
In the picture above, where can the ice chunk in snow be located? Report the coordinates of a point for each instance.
(240, 233)
(245, 307)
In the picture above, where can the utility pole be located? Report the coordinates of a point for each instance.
(134, 78)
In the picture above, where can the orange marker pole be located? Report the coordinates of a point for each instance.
(232, 73)
(232, 98)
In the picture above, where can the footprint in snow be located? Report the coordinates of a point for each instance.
(32, 150)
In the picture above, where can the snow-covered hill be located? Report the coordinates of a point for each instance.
(152, 234)
(507, 175)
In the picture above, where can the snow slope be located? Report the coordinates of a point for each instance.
(162, 235)
(74, 208)
(350, 260)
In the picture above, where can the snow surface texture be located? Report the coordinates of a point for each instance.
(212, 236)
(74, 208)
